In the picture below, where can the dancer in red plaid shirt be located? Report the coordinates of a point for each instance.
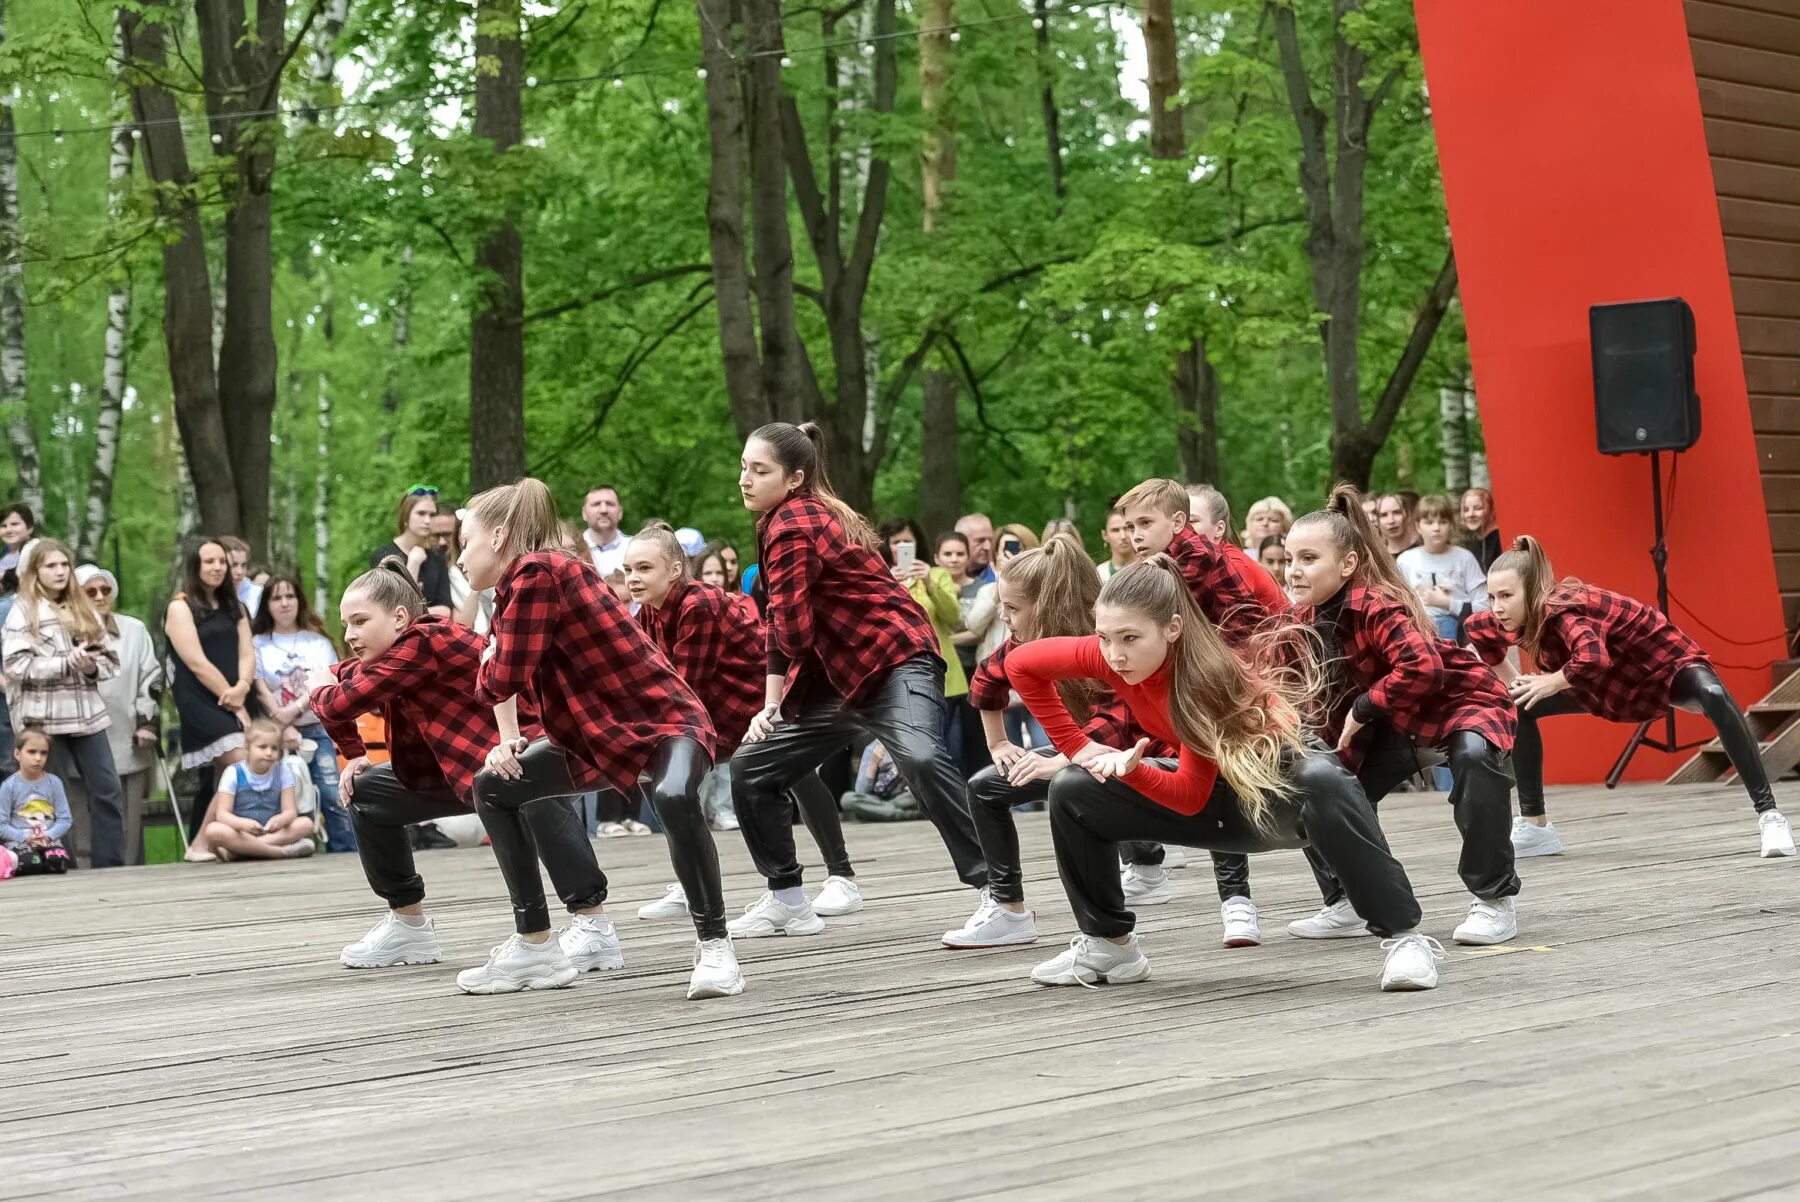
(613, 707)
(1397, 686)
(417, 671)
(848, 649)
(1247, 777)
(1233, 591)
(1602, 653)
(717, 642)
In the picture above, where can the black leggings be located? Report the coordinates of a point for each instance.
(1325, 808)
(819, 810)
(675, 773)
(1480, 798)
(1696, 688)
(991, 799)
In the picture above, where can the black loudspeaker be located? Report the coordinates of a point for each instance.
(1644, 398)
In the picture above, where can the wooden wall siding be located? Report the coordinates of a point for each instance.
(1747, 62)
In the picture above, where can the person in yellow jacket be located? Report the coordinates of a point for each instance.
(907, 553)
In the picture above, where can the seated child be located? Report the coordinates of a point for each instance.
(34, 811)
(256, 815)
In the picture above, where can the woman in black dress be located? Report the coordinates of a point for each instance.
(413, 544)
(215, 669)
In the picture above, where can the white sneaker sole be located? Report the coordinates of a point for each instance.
(1407, 985)
(837, 911)
(1242, 940)
(420, 957)
(1016, 939)
(1128, 974)
(1156, 897)
(1483, 938)
(764, 930)
(653, 914)
(597, 964)
(1356, 932)
(1541, 849)
(559, 979)
(1775, 853)
(701, 990)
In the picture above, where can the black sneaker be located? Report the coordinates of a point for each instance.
(427, 837)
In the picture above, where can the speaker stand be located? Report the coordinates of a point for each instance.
(1659, 556)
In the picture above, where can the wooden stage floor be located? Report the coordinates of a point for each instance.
(185, 1031)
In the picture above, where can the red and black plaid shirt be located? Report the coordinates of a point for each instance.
(716, 641)
(608, 696)
(1110, 723)
(833, 606)
(1426, 687)
(423, 686)
(1619, 655)
(1231, 589)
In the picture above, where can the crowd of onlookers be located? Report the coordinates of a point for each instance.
(80, 727)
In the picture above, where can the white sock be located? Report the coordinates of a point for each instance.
(411, 920)
(791, 897)
(597, 922)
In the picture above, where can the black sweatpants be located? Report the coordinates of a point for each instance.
(905, 710)
(675, 774)
(1696, 688)
(381, 810)
(1325, 809)
(991, 799)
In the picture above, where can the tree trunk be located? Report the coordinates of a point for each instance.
(1046, 66)
(112, 371)
(728, 149)
(774, 248)
(322, 483)
(1453, 437)
(396, 366)
(187, 289)
(496, 335)
(940, 469)
(12, 314)
(322, 72)
(1168, 140)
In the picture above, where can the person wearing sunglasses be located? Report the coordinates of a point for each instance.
(133, 699)
(413, 543)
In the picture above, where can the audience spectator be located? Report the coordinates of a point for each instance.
(979, 530)
(255, 815)
(1209, 513)
(446, 540)
(1446, 577)
(1394, 523)
(1118, 542)
(1272, 553)
(56, 654)
(290, 642)
(979, 605)
(1063, 526)
(133, 697)
(34, 812)
(1481, 526)
(604, 541)
(1011, 541)
(711, 569)
(16, 527)
(903, 548)
(1268, 516)
(413, 545)
(1368, 506)
(249, 593)
(214, 671)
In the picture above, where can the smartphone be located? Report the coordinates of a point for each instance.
(1011, 545)
(904, 555)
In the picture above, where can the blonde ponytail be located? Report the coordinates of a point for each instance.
(526, 510)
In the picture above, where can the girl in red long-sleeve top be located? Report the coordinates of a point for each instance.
(1602, 653)
(417, 671)
(613, 708)
(1397, 686)
(716, 640)
(849, 650)
(1246, 779)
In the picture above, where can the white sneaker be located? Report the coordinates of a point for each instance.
(1411, 963)
(1146, 885)
(993, 925)
(1339, 920)
(716, 972)
(516, 965)
(634, 827)
(1530, 839)
(1241, 930)
(1173, 858)
(725, 822)
(1777, 836)
(589, 948)
(672, 904)
(1090, 960)
(769, 916)
(391, 942)
(839, 895)
(1488, 922)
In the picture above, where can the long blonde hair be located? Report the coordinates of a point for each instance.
(527, 511)
(1347, 526)
(1244, 715)
(1537, 579)
(73, 609)
(1061, 582)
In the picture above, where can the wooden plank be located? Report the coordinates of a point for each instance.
(1780, 8)
(1784, 531)
(1769, 69)
(1732, 26)
(1727, 100)
(1757, 218)
(1766, 298)
(1751, 142)
(1763, 257)
(1778, 452)
(1781, 492)
(1772, 374)
(1775, 414)
(1756, 180)
(1769, 335)
(1787, 572)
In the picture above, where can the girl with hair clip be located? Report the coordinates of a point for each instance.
(418, 671)
(1602, 653)
(848, 650)
(1048, 593)
(1246, 778)
(613, 710)
(716, 641)
(1396, 687)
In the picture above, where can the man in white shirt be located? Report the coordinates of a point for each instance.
(605, 542)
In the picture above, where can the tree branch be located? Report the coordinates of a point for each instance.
(890, 396)
(1315, 171)
(819, 228)
(972, 381)
(1425, 328)
(449, 242)
(631, 284)
(874, 205)
(271, 83)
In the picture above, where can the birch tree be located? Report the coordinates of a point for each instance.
(19, 433)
